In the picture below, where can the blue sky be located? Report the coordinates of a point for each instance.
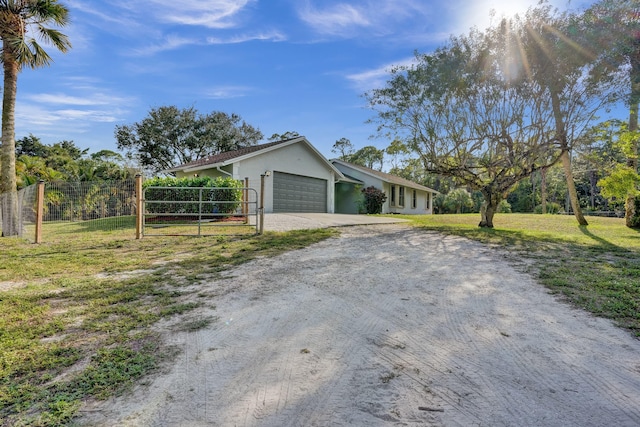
(282, 65)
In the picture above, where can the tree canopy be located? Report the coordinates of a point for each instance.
(492, 107)
(170, 136)
(459, 111)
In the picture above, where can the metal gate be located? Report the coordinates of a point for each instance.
(199, 211)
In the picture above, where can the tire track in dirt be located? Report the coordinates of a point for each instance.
(367, 328)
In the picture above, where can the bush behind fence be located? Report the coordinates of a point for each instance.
(83, 201)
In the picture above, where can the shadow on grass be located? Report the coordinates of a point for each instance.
(603, 242)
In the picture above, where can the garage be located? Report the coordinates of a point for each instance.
(297, 193)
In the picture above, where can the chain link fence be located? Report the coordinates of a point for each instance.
(113, 205)
(101, 205)
(17, 213)
(85, 201)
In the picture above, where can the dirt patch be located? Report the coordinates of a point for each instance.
(389, 325)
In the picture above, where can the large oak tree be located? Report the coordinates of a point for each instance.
(170, 136)
(459, 109)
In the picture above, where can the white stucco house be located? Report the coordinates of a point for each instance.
(300, 179)
(403, 196)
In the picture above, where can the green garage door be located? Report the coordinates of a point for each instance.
(296, 193)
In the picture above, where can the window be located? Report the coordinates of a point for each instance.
(414, 199)
(393, 195)
(401, 196)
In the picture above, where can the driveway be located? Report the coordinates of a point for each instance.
(304, 221)
(387, 325)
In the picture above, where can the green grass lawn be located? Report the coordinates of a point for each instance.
(596, 267)
(68, 303)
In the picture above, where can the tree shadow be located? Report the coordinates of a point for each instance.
(603, 242)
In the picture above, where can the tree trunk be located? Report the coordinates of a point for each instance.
(571, 188)
(543, 190)
(561, 133)
(488, 209)
(592, 188)
(632, 161)
(8, 184)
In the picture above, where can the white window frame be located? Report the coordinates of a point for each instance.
(401, 194)
(414, 199)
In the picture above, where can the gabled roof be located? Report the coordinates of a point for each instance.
(223, 158)
(230, 157)
(387, 177)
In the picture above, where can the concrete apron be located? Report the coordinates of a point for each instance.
(306, 221)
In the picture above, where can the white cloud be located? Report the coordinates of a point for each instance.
(377, 17)
(75, 111)
(207, 13)
(338, 19)
(274, 36)
(377, 77)
(170, 42)
(227, 92)
(64, 99)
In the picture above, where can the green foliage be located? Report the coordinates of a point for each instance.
(467, 115)
(283, 137)
(170, 136)
(552, 208)
(368, 156)
(224, 190)
(64, 161)
(621, 183)
(456, 201)
(504, 207)
(374, 198)
(344, 148)
(635, 219)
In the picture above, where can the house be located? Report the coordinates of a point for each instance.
(297, 178)
(403, 196)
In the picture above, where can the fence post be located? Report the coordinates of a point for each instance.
(245, 200)
(261, 209)
(39, 211)
(139, 207)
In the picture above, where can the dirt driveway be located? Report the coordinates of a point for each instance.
(389, 325)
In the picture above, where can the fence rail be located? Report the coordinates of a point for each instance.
(109, 206)
(198, 210)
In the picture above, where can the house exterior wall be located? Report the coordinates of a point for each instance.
(212, 173)
(296, 159)
(423, 202)
(347, 198)
(423, 199)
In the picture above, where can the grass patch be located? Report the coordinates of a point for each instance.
(76, 311)
(596, 267)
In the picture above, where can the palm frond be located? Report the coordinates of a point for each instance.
(55, 38)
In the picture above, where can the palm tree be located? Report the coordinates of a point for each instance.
(19, 49)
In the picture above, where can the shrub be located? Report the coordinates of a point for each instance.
(373, 200)
(504, 207)
(188, 190)
(635, 219)
(552, 208)
(455, 201)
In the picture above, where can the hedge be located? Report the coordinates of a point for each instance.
(213, 189)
